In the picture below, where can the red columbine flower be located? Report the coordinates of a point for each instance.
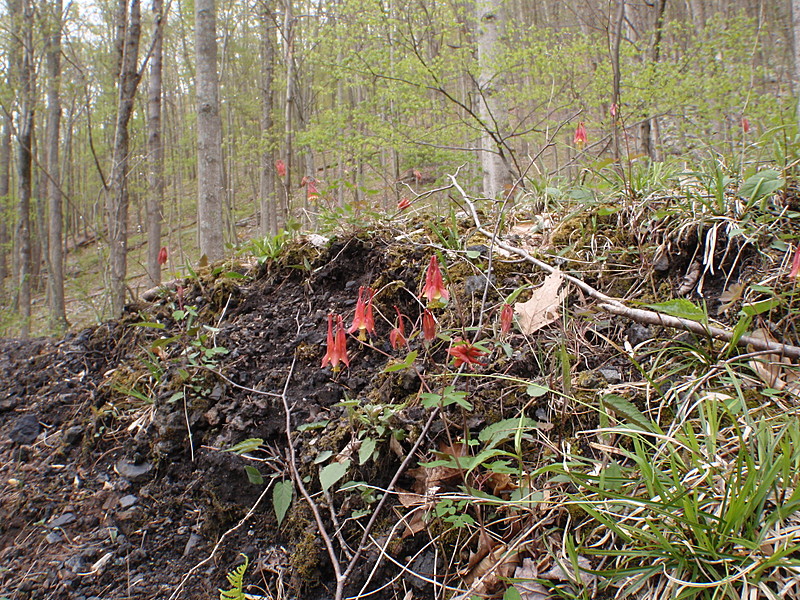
(280, 167)
(745, 125)
(434, 289)
(403, 204)
(795, 265)
(363, 321)
(428, 325)
(397, 336)
(506, 318)
(465, 353)
(580, 135)
(162, 256)
(337, 346)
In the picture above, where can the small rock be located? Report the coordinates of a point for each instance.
(131, 471)
(53, 537)
(610, 374)
(128, 501)
(25, 430)
(64, 519)
(193, 540)
(638, 333)
(75, 564)
(72, 435)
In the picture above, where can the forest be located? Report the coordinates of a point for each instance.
(399, 299)
(130, 128)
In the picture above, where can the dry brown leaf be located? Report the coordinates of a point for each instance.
(395, 447)
(730, 296)
(526, 586)
(492, 568)
(564, 572)
(542, 308)
(772, 368)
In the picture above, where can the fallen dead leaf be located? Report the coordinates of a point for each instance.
(775, 370)
(542, 308)
(524, 583)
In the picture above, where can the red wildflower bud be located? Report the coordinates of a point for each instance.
(580, 135)
(465, 353)
(397, 336)
(506, 318)
(280, 167)
(403, 204)
(363, 322)
(428, 326)
(434, 289)
(745, 125)
(795, 265)
(162, 256)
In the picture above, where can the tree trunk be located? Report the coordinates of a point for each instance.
(24, 168)
(269, 203)
(795, 15)
(5, 199)
(648, 139)
(288, 40)
(209, 134)
(117, 200)
(490, 24)
(55, 259)
(617, 71)
(155, 149)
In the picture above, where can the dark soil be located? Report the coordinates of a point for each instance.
(107, 495)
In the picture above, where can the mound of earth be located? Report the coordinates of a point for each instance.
(117, 480)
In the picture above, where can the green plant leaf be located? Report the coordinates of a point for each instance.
(366, 450)
(407, 362)
(512, 594)
(625, 409)
(681, 308)
(534, 390)
(315, 425)
(236, 581)
(282, 495)
(247, 445)
(323, 456)
(761, 185)
(253, 475)
(332, 473)
(751, 309)
(506, 429)
(149, 324)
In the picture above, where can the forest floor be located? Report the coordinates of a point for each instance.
(117, 478)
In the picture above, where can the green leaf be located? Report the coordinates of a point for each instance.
(473, 254)
(323, 456)
(332, 473)
(247, 445)
(625, 409)
(407, 362)
(534, 390)
(315, 425)
(149, 324)
(505, 429)
(282, 495)
(253, 475)
(512, 594)
(681, 308)
(761, 185)
(366, 450)
(751, 309)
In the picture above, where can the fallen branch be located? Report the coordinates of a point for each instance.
(617, 307)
